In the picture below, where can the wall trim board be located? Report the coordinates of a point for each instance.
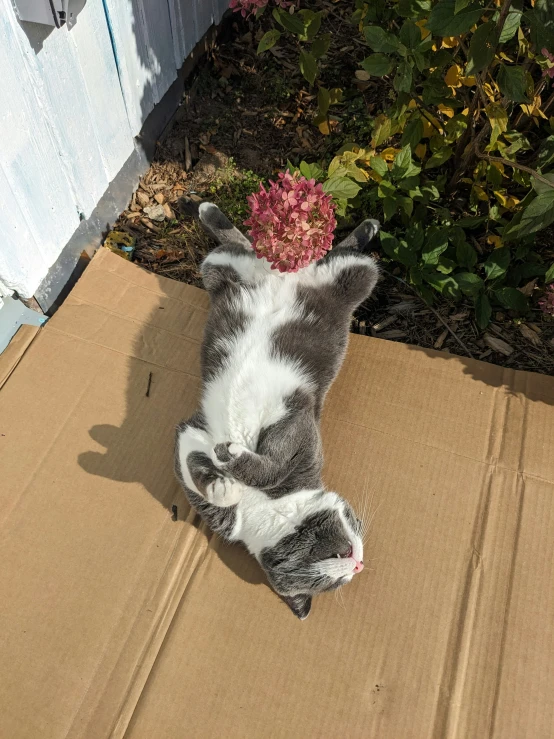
(90, 233)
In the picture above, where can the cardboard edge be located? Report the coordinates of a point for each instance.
(16, 349)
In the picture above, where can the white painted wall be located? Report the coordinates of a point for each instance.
(69, 113)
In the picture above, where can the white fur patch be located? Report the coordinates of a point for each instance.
(249, 393)
(328, 272)
(192, 440)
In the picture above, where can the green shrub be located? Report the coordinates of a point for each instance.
(462, 156)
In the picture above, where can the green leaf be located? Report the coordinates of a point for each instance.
(483, 311)
(323, 100)
(512, 83)
(389, 208)
(439, 157)
(540, 187)
(470, 284)
(413, 132)
(268, 40)
(538, 215)
(320, 46)
(403, 79)
(497, 263)
(397, 250)
(466, 255)
(545, 155)
(311, 171)
(445, 285)
(410, 35)
(312, 23)
(471, 222)
(386, 189)
(512, 299)
(379, 40)
(308, 66)
(414, 8)
(444, 21)
(549, 276)
(341, 187)
(378, 165)
(436, 244)
(460, 5)
(415, 236)
(291, 22)
(402, 162)
(382, 130)
(498, 118)
(378, 65)
(482, 47)
(511, 24)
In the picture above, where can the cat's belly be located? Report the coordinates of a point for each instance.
(250, 391)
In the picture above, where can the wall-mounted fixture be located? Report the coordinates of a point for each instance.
(49, 12)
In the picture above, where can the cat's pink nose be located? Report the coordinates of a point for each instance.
(359, 567)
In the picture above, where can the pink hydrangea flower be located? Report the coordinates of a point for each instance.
(250, 7)
(292, 223)
(546, 303)
(550, 70)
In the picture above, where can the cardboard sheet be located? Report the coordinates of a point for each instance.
(117, 621)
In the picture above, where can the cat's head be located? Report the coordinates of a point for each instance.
(323, 553)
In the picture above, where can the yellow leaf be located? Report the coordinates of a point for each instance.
(389, 153)
(452, 77)
(420, 151)
(506, 58)
(362, 75)
(324, 128)
(499, 166)
(449, 42)
(489, 92)
(448, 112)
(468, 81)
(505, 200)
(374, 176)
(498, 117)
(434, 47)
(422, 27)
(496, 240)
(466, 180)
(412, 104)
(428, 128)
(479, 192)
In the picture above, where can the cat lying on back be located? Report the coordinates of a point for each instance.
(250, 459)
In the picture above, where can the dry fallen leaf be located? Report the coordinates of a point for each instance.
(528, 288)
(440, 341)
(142, 198)
(159, 198)
(498, 345)
(530, 335)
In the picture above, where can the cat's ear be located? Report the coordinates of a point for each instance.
(300, 605)
(360, 236)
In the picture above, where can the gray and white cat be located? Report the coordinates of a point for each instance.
(250, 459)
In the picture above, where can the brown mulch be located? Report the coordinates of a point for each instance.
(244, 112)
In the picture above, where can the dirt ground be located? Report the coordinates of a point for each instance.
(241, 119)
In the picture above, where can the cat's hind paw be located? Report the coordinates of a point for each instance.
(224, 492)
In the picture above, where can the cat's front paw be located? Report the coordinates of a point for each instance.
(225, 453)
(224, 492)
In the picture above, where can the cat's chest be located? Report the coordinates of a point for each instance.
(261, 521)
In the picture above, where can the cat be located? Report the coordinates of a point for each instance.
(250, 458)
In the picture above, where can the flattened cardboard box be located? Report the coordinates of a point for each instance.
(117, 621)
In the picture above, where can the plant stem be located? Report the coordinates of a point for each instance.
(515, 165)
(437, 315)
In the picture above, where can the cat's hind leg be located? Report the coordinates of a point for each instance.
(215, 223)
(196, 470)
